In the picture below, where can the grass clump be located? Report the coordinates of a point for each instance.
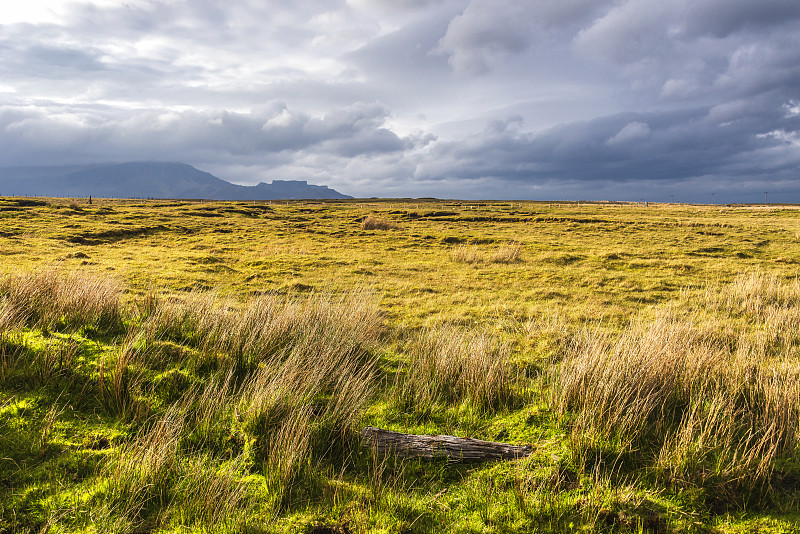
(154, 481)
(467, 254)
(376, 223)
(289, 383)
(119, 383)
(10, 316)
(302, 414)
(448, 366)
(55, 300)
(145, 471)
(241, 336)
(508, 253)
(690, 395)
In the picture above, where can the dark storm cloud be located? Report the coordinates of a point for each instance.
(474, 98)
(721, 18)
(714, 48)
(655, 148)
(84, 134)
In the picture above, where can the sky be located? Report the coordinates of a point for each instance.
(668, 100)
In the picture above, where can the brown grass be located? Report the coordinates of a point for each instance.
(374, 223)
(213, 496)
(710, 402)
(242, 336)
(9, 316)
(119, 382)
(144, 471)
(54, 299)
(311, 399)
(508, 253)
(448, 366)
(155, 470)
(294, 372)
(467, 254)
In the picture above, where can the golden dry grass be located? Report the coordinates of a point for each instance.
(707, 400)
(52, 298)
(447, 365)
(375, 223)
(508, 253)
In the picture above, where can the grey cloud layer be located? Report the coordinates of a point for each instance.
(484, 98)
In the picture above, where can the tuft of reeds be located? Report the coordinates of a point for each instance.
(756, 294)
(375, 223)
(703, 401)
(213, 496)
(119, 382)
(55, 363)
(304, 408)
(244, 335)
(466, 254)
(209, 413)
(10, 316)
(294, 374)
(143, 474)
(9, 321)
(164, 474)
(508, 253)
(447, 365)
(53, 299)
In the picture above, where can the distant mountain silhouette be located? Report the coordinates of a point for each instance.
(146, 180)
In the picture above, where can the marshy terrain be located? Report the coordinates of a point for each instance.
(208, 366)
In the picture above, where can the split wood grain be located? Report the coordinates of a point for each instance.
(451, 447)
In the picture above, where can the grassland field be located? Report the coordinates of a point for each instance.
(188, 366)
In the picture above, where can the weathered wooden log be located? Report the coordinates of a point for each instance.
(451, 447)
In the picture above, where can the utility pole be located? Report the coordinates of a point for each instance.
(765, 197)
(712, 198)
(673, 198)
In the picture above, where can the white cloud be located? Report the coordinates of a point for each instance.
(792, 108)
(630, 32)
(31, 11)
(486, 31)
(632, 131)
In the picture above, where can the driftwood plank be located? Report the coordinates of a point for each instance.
(450, 447)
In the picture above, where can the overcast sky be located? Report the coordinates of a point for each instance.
(539, 99)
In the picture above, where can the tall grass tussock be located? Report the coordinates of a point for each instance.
(275, 385)
(55, 299)
(697, 397)
(376, 223)
(508, 253)
(449, 366)
(264, 328)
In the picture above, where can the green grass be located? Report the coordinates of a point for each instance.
(207, 366)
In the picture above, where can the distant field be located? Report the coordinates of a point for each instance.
(206, 366)
(584, 260)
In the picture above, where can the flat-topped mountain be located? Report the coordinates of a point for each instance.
(147, 180)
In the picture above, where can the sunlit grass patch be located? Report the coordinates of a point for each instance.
(243, 335)
(53, 299)
(695, 396)
(508, 253)
(448, 366)
(375, 223)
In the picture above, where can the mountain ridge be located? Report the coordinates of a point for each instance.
(147, 180)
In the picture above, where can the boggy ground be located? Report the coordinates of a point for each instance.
(206, 366)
